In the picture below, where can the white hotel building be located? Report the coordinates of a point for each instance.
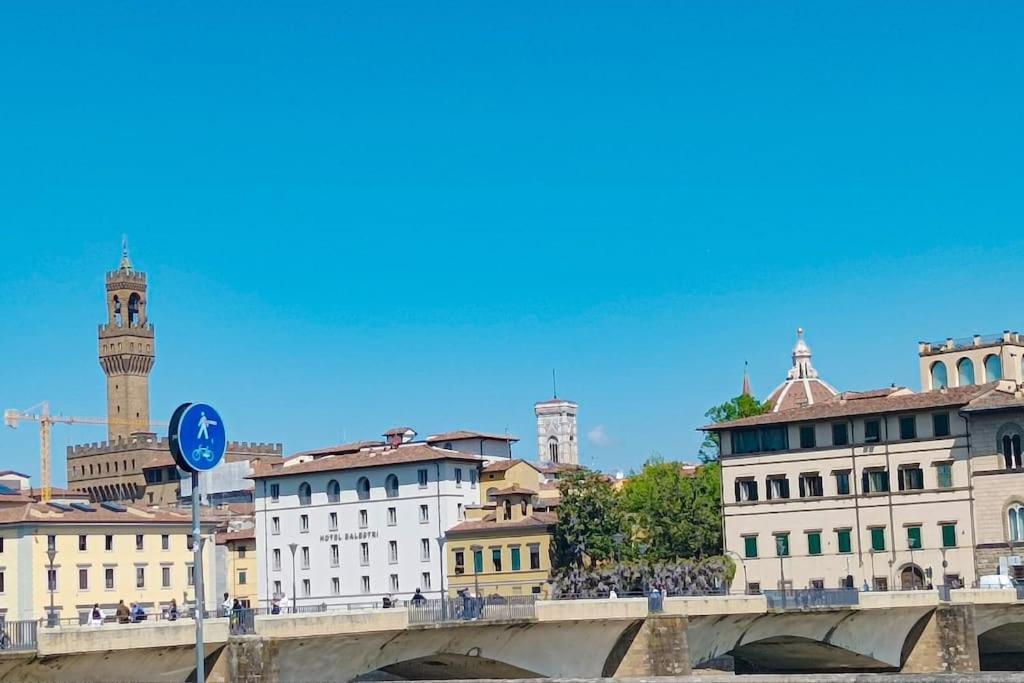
(363, 521)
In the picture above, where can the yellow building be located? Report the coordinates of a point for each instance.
(240, 547)
(507, 551)
(506, 473)
(104, 553)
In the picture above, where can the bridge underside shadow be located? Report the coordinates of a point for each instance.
(796, 655)
(449, 666)
(1002, 648)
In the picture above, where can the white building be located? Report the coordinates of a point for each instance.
(557, 441)
(361, 522)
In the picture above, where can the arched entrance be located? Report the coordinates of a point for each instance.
(911, 578)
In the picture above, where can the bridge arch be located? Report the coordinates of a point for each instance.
(1000, 630)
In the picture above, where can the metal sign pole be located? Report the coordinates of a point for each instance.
(197, 569)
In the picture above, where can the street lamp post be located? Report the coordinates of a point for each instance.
(51, 581)
(293, 547)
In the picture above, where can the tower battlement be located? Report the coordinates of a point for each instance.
(125, 276)
(153, 442)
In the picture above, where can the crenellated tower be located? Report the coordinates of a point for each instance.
(127, 349)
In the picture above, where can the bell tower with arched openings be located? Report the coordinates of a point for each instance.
(127, 349)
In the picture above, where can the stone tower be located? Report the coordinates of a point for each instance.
(127, 349)
(557, 441)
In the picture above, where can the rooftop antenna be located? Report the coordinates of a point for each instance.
(554, 384)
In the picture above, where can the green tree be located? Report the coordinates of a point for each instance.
(733, 409)
(589, 518)
(673, 512)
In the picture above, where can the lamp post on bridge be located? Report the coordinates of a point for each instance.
(293, 547)
(51, 581)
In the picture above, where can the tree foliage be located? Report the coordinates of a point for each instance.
(676, 577)
(733, 409)
(589, 518)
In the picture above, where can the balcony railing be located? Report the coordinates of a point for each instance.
(19, 635)
(812, 598)
(451, 610)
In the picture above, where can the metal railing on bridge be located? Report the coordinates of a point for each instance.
(19, 635)
(453, 610)
(812, 598)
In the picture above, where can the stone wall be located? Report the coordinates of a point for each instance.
(947, 643)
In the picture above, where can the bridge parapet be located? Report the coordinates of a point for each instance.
(982, 596)
(157, 634)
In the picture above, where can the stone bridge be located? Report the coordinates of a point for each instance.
(897, 631)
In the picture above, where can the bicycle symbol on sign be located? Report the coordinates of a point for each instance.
(202, 453)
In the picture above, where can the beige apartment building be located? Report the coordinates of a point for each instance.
(891, 488)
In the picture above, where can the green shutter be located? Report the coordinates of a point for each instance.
(515, 559)
(782, 545)
(844, 540)
(750, 546)
(945, 472)
(814, 543)
(478, 561)
(878, 538)
(914, 537)
(949, 535)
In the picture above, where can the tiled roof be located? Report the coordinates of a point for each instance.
(468, 434)
(514, 489)
(555, 468)
(796, 393)
(854, 403)
(340, 449)
(241, 535)
(42, 513)
(375, 457)
(995, 400)
(7, 472)
(165, 459)
(504, 465)
(537, 520)
(554, 402)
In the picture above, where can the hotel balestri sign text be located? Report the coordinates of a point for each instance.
(347, 536)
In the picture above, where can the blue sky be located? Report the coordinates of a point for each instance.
(359, 215)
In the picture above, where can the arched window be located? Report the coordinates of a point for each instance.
(363, 488)
(333, 491)
(1015, 522)
(391, 486)
(522, 508)
(940, 379)
(490, 493)
(965, 372)
(133, 310)
(993, 368)
(1008, 443)
(117, 311)
(553, 449)
(508, 509)
(305, 494)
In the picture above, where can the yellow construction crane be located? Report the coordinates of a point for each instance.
(41, 413)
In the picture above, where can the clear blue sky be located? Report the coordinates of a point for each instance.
(359, 215)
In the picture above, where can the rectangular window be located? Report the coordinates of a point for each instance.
(139, 542)
(843, 541)
(842, 482)
(277, 560)
(275, 493)
(332, 521)
(875, 481)
(878, 538)
(190, 573)
(534, 557)
(393, 582)
(392, 516)
(458, 477)
(872, 431)
(949, 535)
(165, 577)
(83, 579)
(478, 561)
(472, 479)
(461, 513)
(303, 524)
(424, 549)
(778, 487)
(365, 584)
(424, 514)
(83, 542)
(460, 562)
(335, 586)
(393, 552)
(140, 577)
(814, 543)
(421, 477)
(782, 545)
(940, 424)
(807, 439)
(944, 473)
(108, 542)
(364, 554)
(165, 542)
(305, 557)
(108, 578)
(746, 490)
(911, 478)
(305, 588)
(774, 439)
(840, 434)
(908, 427)
(811, 485)
(881, 583)
(516, 560)
(425, 581)
(745, 441)
(496, 559)
(364, 519)
(750, 546)
(914, 537)
(277, 588)
(275, 525)
(335, 555)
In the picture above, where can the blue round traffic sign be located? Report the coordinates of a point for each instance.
(197, 436)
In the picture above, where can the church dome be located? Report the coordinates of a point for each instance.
(802, 387)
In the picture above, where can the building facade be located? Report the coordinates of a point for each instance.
(103, 554)
(971, 360)
(241, 567)
(557, 437)
(358, 526)
(890, 488)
